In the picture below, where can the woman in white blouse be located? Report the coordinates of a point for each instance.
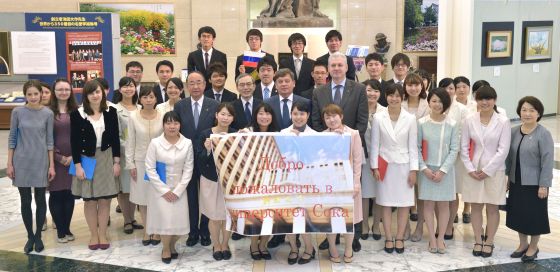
(394, 141)
(168, 208)
(485, 141)
(173, 90)
(143, 126)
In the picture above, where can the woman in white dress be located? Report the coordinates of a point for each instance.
(489, 134)
(173, 89)
(373, 92)
(168, 206)
(394, 141)
(143, 125)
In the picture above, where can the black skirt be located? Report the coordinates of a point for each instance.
(526, 212)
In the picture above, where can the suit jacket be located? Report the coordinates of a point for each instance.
(248, 70)
(274, 102)
(206, 119)
(308, 93)
(423, 108)
(82, 136)
(354, 106)
(350, 74)
(491, 146)
(227, 96)
(382, 98)
(159, 98)
(259, 92)
(304, 81)
(394, 144)
(240, 121)
(195, 61)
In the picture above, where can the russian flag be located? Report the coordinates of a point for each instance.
(251, 59)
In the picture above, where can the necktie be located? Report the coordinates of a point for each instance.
(298, 67)
(248, 112)
(285, 114)
(400, 83)
(206, 60)
(266, 93)
(196, 114)
(218, 97)
(164, 94)
(337, 94)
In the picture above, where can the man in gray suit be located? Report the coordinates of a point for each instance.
(285, 82)
(351, 97)
(197, 114)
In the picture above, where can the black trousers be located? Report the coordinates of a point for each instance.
(194, 212)
(61, 204)
(27, 213)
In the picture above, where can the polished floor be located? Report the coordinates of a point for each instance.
(127, 254)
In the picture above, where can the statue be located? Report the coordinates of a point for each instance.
(278, 8)
(382, 46)
(292, 13)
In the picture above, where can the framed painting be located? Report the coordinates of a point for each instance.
(537, 41)
(420, 25)
(496, 46)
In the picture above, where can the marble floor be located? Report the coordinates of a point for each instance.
(127, 254)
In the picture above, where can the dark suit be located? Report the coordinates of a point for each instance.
(308, 93)
(159, 98)
(259, 91)
(240, 121)
(275, 102)
(248, 70)
(382, 98)
(195, 62)
(350, 74)
(206, 120)
(304, 81)
(227, 96)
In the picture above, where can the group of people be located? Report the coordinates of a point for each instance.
(411, 145)
(85, 55)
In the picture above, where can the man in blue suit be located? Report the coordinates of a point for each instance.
(197, 114)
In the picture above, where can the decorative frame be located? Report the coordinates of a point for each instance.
(420, 34)
(537, 36)
(5, 54)
(496, 32)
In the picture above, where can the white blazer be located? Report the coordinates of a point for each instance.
(394, 145)
(491, 146)
(423, 108)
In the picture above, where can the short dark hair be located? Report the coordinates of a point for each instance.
(394, 88)
(284, 72)
(217, 67)
(117, 95)
(333, 34)
(479, 83)
(374, 84)
(398, 58)
(253, 32)
(229, 107)
(144, 91)
(443, 96)
(90, 87)
(461, 79)
(319, 63)
(533, 101)
(267, 60)
(296, 37)
(207, 29)
(374, 56)
(301, 106)
(444, 82)
(414, 79)
(487, 92)
(273, 127)
(171, 116)
(164, 62)
(177, 81)
(134, 64)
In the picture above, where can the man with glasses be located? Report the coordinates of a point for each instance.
(245, 105)
(400, 63)
(135, 70)
(254, 38)
(319, 74)
(299, 64)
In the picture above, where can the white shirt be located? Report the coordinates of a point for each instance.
(290, 102)
(243, 101)
(397, 81)
(200, 100)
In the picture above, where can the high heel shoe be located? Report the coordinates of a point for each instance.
(487, 254)
(265, 255)
(174, 256)
(475, 252)
(389, 249)
(399, 250)
(518, 254)
(166, 260)
(293, 260)
(449, 237)
(311, 256)
(531, 258)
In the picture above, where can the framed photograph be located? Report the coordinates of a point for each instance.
(146, 29)
(4, 54)
(420, 26)
(499, 44)
(537, 42)
(496, 47)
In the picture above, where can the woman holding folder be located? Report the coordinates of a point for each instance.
(169, 166)
(485, 141)
(143, 125)
(394, 160)
(211, 198)
(438, 144)
(96, 151)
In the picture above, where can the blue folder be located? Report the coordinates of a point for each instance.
(160, 170)
(88, 164)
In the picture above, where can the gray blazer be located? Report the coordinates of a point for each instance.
(536, 158)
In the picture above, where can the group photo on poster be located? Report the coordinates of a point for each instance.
(84, 53)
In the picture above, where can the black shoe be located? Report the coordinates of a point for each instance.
(449, 237)
(304, 261)
(376, 237)
(39, 246)
(205, 241)
(527, 259)
(28, 246)
(265, 255)
(487, 254)
(226, 254)
(399, 250)
(518, 254)
(275, 241)
(255, 255)
(118, 209)
(364, 236)
(414, 217)
(456, 220)
(324, 245)
(192, 240)
(155, 242)
(217, 255)
(475, 252)
(293, 260)
(466, 218)
(147, 242)
(130, 230)
(165, 260)
(135, 225)
(174, 256)
(356, 246)
(389, 249)
(236, 236)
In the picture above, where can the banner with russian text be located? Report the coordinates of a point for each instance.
(275, 183)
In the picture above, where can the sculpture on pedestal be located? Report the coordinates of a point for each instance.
(292, 13)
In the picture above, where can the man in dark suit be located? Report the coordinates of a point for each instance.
(319, 73)
(299, 64)
(351, 97)
(374, 67)
(197, 114)
(164, 71)
(334, 42)
(400, 63)
(265, 88)
(254, 38)
(246, 104)
(200, 59)
(218, 76)
(282, 103)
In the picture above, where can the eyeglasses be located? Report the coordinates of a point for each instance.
(134, 72)
(401, 65)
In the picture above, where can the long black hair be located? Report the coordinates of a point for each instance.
(273, 127)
